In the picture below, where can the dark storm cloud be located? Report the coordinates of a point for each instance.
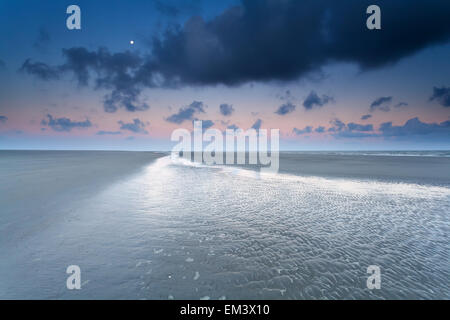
(262, 40)
(285, 109)
(3, 119)
(442, 95)
(415, 127)
(64, 124)
(284, 40)
(187, 113)
(313, 100)
(381, 103)
(226, 109)
(366, 116)
(137, 126)
(40, 70)
(102, 133)
(257, 124)
(113, 71)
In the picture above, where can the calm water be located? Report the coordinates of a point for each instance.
(143, 227)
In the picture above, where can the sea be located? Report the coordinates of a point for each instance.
(142, 225)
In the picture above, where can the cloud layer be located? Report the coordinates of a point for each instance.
(411, 128)
(243, 44)
(415, 127)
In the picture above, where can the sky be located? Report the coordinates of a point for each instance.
(138, 70)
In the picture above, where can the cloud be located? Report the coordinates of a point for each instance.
(285, 109)
(226, 109)
(313, 100)
(187, 113)
(115, 72)
(381, 103)
(101, 133)
(412, 127)
(307, 129)
(401, 104)
(126, 99)
(351, 130)
(359, 127)
(442, 95)
(40, 70)
(337, 125)
(3, 119)
(320, 129)
(64, 124)
(232, 48)
(415, 127)
(137, 126)
(366, 116)
(242, 45)
(257, 124)
(206, 124)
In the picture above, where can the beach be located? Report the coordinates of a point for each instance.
(141, 226)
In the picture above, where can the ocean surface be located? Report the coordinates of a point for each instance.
(141, 226)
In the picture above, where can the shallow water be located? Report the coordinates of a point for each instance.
(188, 231)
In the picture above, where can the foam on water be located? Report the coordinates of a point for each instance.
(344, 185)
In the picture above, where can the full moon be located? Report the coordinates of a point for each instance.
(131, 42)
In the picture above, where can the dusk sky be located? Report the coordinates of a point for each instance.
(310, 68)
